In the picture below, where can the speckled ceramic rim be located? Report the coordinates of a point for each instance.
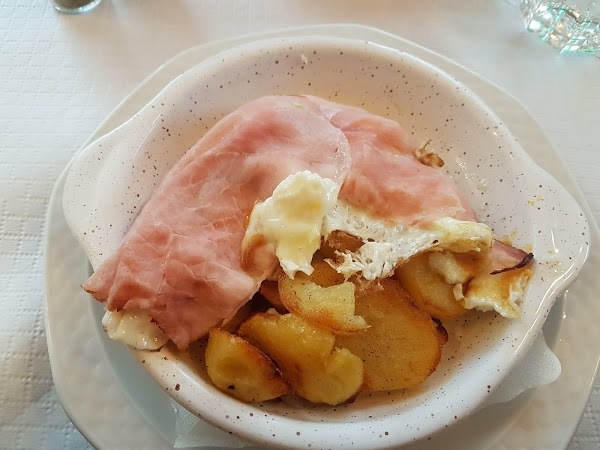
(258, 424)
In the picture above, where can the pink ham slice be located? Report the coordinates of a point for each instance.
(181, 258)
(505, 257)
(386, 177)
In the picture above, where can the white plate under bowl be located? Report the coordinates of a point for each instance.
(494, 373)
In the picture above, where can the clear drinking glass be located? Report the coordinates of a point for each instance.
(571, 26)
(75, 6)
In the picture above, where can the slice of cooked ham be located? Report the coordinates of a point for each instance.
(386, 178)
(181, 260)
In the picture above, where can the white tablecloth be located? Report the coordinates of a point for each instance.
(61, 75)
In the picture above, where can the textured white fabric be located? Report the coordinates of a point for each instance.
(61, 75)
(537, 368)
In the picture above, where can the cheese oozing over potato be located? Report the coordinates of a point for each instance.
(500, 292)
(478, 289)
(505, 305)
(291, 219)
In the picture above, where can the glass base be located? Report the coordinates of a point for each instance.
(75, 6)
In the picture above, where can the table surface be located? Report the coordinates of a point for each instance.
(61, 75)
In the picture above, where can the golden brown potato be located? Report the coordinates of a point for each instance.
(325, 275)
(403, 345)
(306, 357)
(241, 370)
(456, 268)
(328, 307)
(428, 289)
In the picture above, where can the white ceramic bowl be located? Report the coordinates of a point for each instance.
(112, 178)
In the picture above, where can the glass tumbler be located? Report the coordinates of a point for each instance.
(569, 26)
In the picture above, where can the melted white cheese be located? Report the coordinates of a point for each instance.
(490, 297)
(291, 219)
(134, 328)
(485, 292)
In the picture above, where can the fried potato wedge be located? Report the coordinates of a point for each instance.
(456, 268)
(428, 289)
(403, 345)
(329, 307)
(306, 357)
(325, 275)
(241, 370)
